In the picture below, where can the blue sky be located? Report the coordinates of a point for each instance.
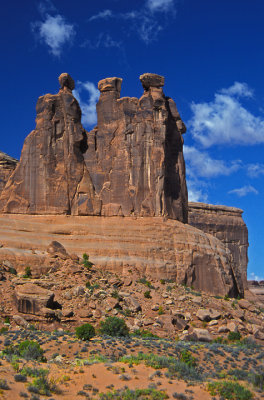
(210, 52)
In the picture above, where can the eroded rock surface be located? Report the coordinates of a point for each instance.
(51, 170)
(7, 166)
(135, 155)
(31, 298)
(156, 248)
(133, 159)
(225, 223)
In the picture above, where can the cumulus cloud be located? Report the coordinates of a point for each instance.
(88, 106)
(101, 15)
(201, 164)
(196, 191)
(160, 5)
(240, 89)
(225, 120)
(255, 170)
(55, 32)
(243, 191)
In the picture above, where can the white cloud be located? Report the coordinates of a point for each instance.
(143, 21)
(201, 164)
(88, 107)
(160, 5)
(243, 191)
(196, 191)
(101, 15)
(255, 170)
(240, 89)
(254, 277)
(225, 120)
(55, 32)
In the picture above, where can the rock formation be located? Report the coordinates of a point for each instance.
(135, 154)
(133, 160)
(51, 167)
(156, 248)
(225, 223)
(7, 166)
(131, 164)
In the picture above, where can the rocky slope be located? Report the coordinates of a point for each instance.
(157, 248)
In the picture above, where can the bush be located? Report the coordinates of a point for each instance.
(147, 294)
(85, 332)
(85, 261)
(31, 350)
(4, 385)
(233, 336)
(160, 312)
(229, 390)
(114, 326)
(27, 273)
(187, 358)
(137, 394)
(43, 386)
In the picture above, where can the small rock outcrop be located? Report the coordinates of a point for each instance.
(31, 298)
(7, 166)
(130, 164)
(225, 223)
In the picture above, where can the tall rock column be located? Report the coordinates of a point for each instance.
(135, 154)
(51, 169)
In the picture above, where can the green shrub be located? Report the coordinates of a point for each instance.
(187, 358)
(233, 336)
(4, 385)
(114, 326)
(12, 270)
(7, 320)
(27, 273)
(229, 390)
(160, 311)
(144, 333)
(85, 332)
(162, 281)
(137, 394)
(85, 261)
(147, 294)
(42, 385)
(31, 350)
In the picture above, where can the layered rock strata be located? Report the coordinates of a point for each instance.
(133, 159)
(156, 248)
(225, 223)
(7, 166)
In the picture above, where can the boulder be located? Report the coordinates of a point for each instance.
(31, 298)
(208, 314)
(200, 335)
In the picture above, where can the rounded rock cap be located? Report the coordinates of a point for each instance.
(110, 84)
(66, 80)
(151, 80)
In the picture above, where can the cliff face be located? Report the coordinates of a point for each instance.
(51, 168)
(135, 156)
(133, 160)
(7, 166)
(225, 223)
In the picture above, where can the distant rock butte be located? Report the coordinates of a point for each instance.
(225, 223)
(130, 165)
